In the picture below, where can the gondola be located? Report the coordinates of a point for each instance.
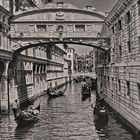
(101, 111)
(56, 93)
(26, 117)
(86, 90)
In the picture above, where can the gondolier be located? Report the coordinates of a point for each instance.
(15, 106)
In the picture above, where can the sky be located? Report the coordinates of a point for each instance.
(100, 5)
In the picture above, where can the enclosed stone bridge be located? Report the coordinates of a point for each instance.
(84, 74)
(21, 46)
(57, 23)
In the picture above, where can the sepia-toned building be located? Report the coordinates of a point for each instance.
(119, 76)
(34, 69)
(84, 63)
(5, 53)
(70, 57)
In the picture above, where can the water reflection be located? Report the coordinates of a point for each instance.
(86, 97)
(69, 117)
(23, 132)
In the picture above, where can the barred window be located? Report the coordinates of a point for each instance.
(129, 46)
(128, 17)
(138, 85)
(120, 50)
(119, 82)
(119, 25)
(128, 87)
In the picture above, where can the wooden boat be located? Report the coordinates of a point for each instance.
(57, 93)
(27, 117)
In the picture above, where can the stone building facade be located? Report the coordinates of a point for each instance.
(70, 57)
(84, 63)
(5, 53)
(44, 66)
(119, 77)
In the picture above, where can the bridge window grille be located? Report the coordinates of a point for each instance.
(138, 85)
(41, 28)
(119, 82)
(80, 28)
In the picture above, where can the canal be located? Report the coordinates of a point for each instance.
(69, 117)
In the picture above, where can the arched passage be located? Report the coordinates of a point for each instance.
(19, 47)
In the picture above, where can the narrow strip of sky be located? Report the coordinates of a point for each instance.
(100, 5)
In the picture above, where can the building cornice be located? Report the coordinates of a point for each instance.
(37, 60)
(55, 21)
(119, 8)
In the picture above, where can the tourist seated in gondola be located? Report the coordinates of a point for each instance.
(100, 101)
(33, 111)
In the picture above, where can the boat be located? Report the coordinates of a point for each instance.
(26, 117)
(56, 93)
(86, 90)
(100, 111)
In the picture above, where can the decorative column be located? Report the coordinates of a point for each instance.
(35, 79)
(38, 80)
(46, 78)
(5, 105)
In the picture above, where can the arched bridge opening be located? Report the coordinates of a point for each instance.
(21, 46)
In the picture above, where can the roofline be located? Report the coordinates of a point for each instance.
(58, 9)
(119, 5)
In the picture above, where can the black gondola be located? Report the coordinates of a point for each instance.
(86, 90)
(27, 117)
(56, 93)
(101, 111)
